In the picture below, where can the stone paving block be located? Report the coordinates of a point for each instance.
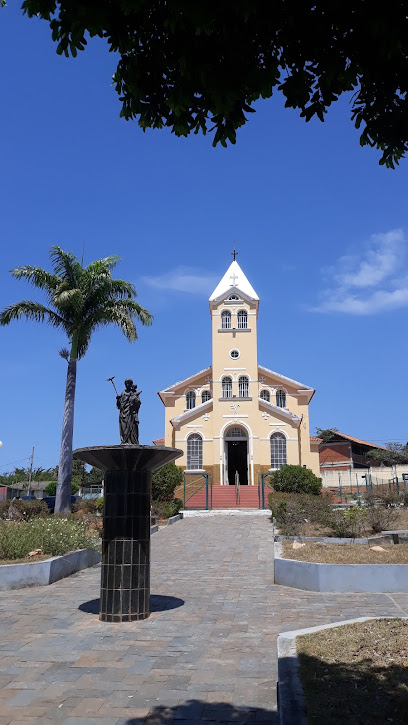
(217, 650)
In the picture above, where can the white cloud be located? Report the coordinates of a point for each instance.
(184, 279)
(372, 282)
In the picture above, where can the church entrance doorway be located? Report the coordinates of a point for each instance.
(236, 456)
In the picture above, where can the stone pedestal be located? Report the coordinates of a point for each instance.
(125, 577)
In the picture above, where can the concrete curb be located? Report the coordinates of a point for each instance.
(330, 539)
(173, 519)
(41, 573)
(314, 577)
(290, 691)
(226, 512)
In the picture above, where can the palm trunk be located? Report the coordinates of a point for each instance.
(63, 498)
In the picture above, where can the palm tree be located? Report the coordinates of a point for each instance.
(81, 299)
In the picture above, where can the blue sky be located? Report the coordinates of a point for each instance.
(320, 229)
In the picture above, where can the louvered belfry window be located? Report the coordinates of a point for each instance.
(242, 320)
(243, 386)
(226, 320)
(227, 387)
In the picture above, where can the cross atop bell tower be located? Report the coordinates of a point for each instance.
(234, 253)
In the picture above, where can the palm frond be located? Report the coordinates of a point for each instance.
(37, 276)
(68, 298)
(132, 308)
(64, 353)
(66, 265)
(32, 311)
(107, 263)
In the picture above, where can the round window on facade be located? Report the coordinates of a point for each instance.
(234, 354)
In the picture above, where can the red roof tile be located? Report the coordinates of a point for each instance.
(357, 440)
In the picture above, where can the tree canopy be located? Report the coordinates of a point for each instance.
(395, 453)
(198, 66)
(80, 300)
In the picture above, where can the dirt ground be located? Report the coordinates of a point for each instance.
(356, 674)
(346, 553)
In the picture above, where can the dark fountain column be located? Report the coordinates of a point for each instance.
(125, 578)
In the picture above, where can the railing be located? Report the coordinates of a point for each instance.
(264, 488)
(194, 484)
(237, 487)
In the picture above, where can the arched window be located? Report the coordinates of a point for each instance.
(226, 320)
(190, 399)
(194, 452)
(242, 320)
(278, 450)
(265, 395)
(206, 395)
(281, 399)
(233, 297)
(235, 432)
(243, 386)
(227, 387)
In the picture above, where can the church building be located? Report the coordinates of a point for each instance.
(237, 416)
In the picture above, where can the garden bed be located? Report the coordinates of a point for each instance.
(314, 576)
(41, 573)
(356, 673)
(324, 553)
(298, 514)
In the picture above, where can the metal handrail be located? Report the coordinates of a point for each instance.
(191, 493)
(237, 487)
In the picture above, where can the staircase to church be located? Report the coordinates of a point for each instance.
(224, 497)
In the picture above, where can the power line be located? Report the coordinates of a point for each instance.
(26, 458)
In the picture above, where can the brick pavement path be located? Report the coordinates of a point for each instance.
(207, 654)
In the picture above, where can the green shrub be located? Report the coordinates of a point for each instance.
(293, 510)
(26, 510)
(165, 482)
(89, 505)
(53, 535)
(348, 524)
(99, 505)
(296, 479)
(4, 508)
(51, 488)
(166, 509)
(380, 514)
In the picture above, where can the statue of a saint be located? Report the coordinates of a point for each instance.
(128, 404)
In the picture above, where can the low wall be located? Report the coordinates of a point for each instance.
(41, 573)
(314, 577)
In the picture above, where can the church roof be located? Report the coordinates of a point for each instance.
(284, 412)
(284, 378)
(192, 412)
(234, 280)
(186, 381)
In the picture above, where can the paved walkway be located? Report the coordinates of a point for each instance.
(207, 654)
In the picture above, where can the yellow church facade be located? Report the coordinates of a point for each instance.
(237, 418)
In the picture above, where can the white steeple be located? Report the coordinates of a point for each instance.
(234, 281)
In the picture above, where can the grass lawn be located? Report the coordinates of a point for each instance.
(346, 553)
(356, 674)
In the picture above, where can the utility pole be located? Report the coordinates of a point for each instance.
(31, 472)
